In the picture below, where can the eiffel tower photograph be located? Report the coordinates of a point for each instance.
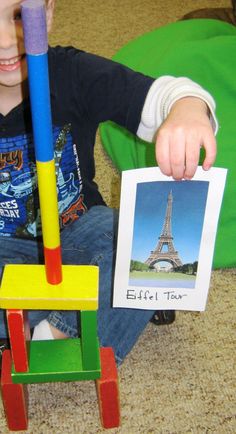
(165, 251)
(167, 233)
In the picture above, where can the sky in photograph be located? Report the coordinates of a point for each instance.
(188, 209)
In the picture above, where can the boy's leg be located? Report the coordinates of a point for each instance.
(25, 251)
(92, 240)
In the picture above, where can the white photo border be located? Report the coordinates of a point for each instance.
(156, 298)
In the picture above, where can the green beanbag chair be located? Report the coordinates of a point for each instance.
(203, 50)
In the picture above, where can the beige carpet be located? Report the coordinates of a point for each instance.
(180, 378)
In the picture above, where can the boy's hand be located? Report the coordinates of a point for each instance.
(186, 129)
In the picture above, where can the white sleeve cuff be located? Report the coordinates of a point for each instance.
(163, 93)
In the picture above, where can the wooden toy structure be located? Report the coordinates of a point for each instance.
(62, 287)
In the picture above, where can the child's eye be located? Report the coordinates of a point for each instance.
(17, 16)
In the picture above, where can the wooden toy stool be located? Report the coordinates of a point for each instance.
(71, 359)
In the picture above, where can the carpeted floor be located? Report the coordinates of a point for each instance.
(179, 378)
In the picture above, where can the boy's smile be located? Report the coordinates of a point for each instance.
(13, 69)
(12, 64)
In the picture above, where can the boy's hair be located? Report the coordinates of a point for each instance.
(234, 6)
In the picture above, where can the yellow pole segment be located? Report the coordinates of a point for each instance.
(48, 204)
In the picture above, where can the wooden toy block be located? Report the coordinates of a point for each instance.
(14, 397)
(108, 390)
(19, 333)
(89, 341)
(56, 360)
(25, 287)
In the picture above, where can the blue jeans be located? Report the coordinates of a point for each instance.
(90, 240)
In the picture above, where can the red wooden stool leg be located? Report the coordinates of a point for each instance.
(108, 390)
(14, 397)
(19, 333)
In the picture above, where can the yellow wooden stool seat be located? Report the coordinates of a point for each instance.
(25, 287)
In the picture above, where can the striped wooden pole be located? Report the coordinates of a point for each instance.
(36, 46)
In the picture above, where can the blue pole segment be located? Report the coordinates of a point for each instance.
(40, 106)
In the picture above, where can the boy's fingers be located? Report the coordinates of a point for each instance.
(210, 149)
(191, 160)
(178, 153)
(163, 154)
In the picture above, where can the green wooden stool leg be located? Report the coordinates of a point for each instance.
(89, 340)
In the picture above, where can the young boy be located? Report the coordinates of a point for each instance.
(86, 90)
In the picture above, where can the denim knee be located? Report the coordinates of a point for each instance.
(91, 237)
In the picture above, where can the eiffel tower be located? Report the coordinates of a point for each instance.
(165, 239)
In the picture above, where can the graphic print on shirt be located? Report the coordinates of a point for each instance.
(70, 201)
(19, 203)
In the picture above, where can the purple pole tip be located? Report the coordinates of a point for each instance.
(35, 26)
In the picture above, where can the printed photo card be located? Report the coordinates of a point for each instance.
(166, 238)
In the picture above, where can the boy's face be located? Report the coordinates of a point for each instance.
(13, 69)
